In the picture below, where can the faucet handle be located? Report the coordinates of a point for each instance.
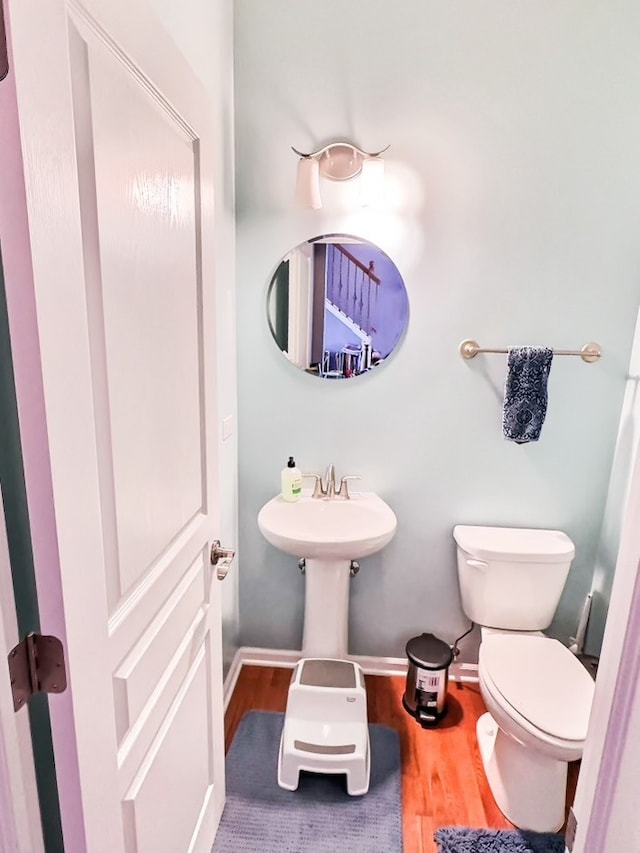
(343, 490)
(318, 490)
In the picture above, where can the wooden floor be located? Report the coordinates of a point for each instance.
(442, 779)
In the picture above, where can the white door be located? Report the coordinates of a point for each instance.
(20, 824)
(118, 168)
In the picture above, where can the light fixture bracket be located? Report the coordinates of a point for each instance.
(340, 161)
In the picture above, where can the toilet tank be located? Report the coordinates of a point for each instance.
(510, 577)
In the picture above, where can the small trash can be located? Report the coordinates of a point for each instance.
(425, 696)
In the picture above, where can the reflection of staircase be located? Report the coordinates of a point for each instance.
(352, 287)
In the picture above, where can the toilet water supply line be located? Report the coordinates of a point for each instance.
(577, 642)
(454, 647)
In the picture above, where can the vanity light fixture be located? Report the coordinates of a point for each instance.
(338, 161)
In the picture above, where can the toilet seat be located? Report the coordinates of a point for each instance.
(540, 685)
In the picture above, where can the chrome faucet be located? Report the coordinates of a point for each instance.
(327, 490)
(330, 482)
(343, 489)
(318, 487)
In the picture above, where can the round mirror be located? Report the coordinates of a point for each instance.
(337, 306)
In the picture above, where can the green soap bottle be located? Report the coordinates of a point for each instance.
(291, 481)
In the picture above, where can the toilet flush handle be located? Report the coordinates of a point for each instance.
(478, 564)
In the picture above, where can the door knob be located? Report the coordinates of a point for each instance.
(221, 558)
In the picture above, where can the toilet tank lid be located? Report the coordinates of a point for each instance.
(516, 544)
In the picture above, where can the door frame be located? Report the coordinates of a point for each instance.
(25, 351)
(616, 703)
(20, 828)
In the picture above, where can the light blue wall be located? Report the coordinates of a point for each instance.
(513, 210)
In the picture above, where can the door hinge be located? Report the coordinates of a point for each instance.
(36, 665)
(570, 832)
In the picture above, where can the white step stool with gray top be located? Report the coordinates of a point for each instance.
(325, 726)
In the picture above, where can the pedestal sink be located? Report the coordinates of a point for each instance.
(329, 534)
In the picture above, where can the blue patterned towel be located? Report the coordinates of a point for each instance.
(525, 393)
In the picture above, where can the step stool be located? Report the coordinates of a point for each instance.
(325, 725)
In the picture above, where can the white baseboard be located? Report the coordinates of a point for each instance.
(466, 672)
(371, 665)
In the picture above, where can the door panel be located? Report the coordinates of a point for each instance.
(116, 135)
(175, 753)
(138, 165)
(143, 667)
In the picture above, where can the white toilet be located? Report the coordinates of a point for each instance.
(537, 693)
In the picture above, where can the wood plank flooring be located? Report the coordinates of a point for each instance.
(443, 782)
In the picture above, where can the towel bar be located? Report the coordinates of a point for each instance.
(590, 352)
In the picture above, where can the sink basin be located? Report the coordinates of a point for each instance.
(328, 529)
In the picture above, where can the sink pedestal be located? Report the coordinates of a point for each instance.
(326, 608)
(328, 534)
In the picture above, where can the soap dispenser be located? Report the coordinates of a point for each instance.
(291, 481)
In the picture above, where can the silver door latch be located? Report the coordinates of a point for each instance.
(221, 558)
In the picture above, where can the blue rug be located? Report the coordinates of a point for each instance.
(320, 817)
(461, 840)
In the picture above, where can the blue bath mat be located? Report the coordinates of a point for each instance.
(460, 840)
(320, 817)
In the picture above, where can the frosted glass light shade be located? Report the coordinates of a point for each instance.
(307, 193)
(371, 180)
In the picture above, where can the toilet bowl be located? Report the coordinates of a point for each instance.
(538, 695)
